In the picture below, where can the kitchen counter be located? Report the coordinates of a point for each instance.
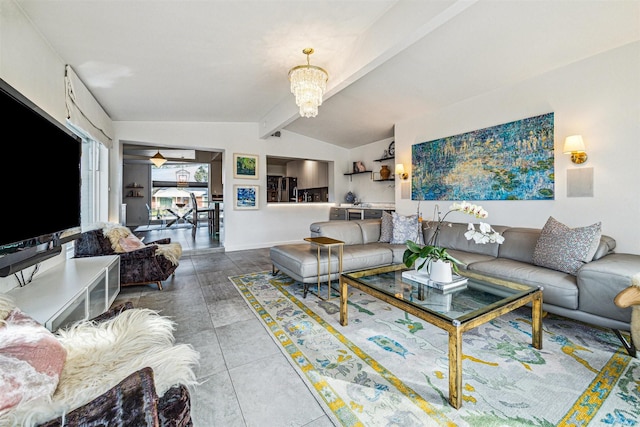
(348, 211)
(372, 205)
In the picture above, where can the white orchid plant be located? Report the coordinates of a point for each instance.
(484, 234)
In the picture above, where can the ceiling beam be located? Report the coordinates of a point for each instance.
(404, 24)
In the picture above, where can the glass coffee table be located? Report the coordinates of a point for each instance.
(481, 299)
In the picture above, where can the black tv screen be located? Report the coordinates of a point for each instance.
(40, 176)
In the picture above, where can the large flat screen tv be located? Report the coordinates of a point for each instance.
(40, 178)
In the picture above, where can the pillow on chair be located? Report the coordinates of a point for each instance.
(129, 244)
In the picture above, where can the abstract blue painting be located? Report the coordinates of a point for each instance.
(246, 196)
(511, 161)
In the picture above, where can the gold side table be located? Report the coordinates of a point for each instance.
(325, 242)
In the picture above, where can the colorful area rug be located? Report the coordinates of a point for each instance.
(387, 368)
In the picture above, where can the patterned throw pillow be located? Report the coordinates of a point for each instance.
(386, 227)
(566, 249)
(406, 228)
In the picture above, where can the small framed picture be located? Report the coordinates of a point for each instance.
(245, 166)
(246, 197)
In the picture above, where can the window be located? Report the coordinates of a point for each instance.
(172, 183)
(94, 169)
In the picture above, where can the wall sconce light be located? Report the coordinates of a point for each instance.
(400, 171)
(574, 145)
(158, 159)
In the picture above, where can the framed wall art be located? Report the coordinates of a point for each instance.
(245, 166)
(511, 161)
(246, 197)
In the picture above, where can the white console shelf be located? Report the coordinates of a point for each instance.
(78, 289)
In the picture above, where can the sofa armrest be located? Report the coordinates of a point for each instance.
(148, 251)
(600, 281)
(164, 241)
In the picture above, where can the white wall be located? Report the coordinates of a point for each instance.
(598, 97)
(365, 188)
(32, 68)
(245, 229)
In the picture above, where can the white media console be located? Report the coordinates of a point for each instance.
(77, 289)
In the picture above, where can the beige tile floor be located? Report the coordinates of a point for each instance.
(245, 378)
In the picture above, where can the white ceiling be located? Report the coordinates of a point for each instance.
(227, 61)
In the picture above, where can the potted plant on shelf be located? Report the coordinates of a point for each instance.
(437, 262)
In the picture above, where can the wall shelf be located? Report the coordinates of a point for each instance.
(382, 159)
(350, 174)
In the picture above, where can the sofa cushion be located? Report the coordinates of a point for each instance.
(347, 231)
(451, 236)
(370, 229)
(406, 228)
(606, 247)
(519, 244)
(566, 249)
(467, 258)
(558, 288)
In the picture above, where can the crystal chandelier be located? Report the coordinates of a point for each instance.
(308, 84)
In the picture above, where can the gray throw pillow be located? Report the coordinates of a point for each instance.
(406, 228)
(386, 227)
(566, 249)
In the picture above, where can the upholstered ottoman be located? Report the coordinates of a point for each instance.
(300, 262)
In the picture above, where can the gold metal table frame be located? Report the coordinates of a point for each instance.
(325, 242)
(454, 327)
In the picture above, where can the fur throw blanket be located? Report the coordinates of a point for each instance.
(100, 355)
(171, 251)
(116, 232)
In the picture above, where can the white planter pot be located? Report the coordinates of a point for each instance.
(440, 271)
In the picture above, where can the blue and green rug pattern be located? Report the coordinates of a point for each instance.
(387, 368)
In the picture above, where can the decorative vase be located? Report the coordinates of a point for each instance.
(385, 172)
(440, 271)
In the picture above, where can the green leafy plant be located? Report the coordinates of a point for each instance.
(415, 252)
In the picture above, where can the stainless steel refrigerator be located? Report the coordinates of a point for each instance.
(288, 189)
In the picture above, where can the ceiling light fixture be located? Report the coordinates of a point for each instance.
(158, 159)
(308, 84)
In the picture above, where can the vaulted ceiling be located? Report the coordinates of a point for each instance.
(227, 61)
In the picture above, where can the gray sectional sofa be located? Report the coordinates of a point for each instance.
(586, 296)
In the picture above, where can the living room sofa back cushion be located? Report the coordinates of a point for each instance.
(519, 244)
(350, 232)
(453, 238)
(370, 230)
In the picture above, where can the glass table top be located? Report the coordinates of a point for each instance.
(478, 296)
